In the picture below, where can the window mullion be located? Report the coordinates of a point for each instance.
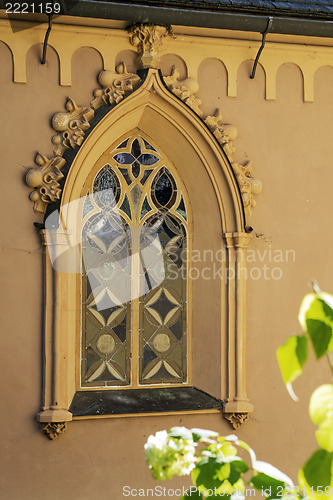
(135, 280)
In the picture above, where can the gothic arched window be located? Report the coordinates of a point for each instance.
(133, 323)
(134, 280)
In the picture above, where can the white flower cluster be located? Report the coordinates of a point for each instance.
(167, 456)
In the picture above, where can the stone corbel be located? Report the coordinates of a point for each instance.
(236, 419)
(148, 39)
(236, 405)
(53, 429)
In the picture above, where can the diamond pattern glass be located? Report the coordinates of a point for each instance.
(134, 284)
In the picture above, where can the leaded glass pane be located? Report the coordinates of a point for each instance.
(134, 285)
(106, 251)
(163, 309)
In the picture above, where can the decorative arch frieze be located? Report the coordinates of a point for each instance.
(232, 52)
(175, 101)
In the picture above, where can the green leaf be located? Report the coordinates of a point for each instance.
(321, 403)
(292, 356)
(237, 468)
(318, 469)
(203, 434)
(324, 434)
(316, 317)
(227, 448)
(239, 465)
(234, 476)
(321, 336)
(268, 485)
(210, 472)
(305, 306)
(272, 472)
(180, 433)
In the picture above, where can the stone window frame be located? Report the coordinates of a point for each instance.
(233, 185)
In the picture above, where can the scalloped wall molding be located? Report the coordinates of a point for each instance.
(109, 42)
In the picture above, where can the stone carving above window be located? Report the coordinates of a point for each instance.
(70, 127)
(148, 38)
(115, 86)
(226, 134)
(72, 124)
(184, 89)
(248, 185)
(44, 179)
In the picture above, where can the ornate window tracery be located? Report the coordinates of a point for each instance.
(134, 280)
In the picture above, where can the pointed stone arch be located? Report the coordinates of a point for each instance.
(164, 117)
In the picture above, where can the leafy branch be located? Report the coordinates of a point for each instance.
(217, 470)
(316, 319)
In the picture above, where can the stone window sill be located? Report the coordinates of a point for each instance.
(134, 401)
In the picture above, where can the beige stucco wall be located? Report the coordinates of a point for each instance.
(289, 141)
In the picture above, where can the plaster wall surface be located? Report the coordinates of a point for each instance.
(289, 142)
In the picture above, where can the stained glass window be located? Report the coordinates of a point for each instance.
(134, 280)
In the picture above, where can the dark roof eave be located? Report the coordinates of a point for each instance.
(136, 12)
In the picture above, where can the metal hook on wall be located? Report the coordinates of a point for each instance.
(43, 61)
(263, 41)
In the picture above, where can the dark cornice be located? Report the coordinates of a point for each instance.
(240, 15)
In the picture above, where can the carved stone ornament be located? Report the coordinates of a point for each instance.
(226, 134)
(115, 86)
(248, 185)
(148, 38)
(184, 89)
(44, 179)
(53, 429)
(71, 127)
(236, 419)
